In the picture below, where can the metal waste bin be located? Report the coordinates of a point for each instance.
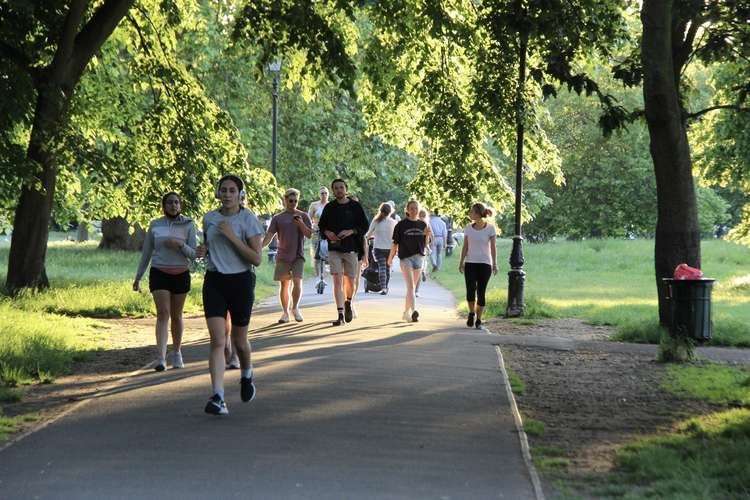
(690, 307)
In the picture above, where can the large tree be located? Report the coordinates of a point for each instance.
(50, 46)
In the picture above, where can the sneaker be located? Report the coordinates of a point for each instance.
(415, 316)
(161, 365)
(234, 362)
(177, 360)
(384, 291)
(284, 318)
(406, 317)
(478, 324)
(470, 320)
(348, 315)
(297, 315)
(339, 321)
(216, 406)
(247, 389)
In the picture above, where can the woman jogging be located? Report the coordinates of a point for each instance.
(169, 245)
(381, 229)
(478, 260)
(232, 248)
(409, 240)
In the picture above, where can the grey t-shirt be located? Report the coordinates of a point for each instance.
(222, 254)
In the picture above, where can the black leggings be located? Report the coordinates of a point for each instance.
(476, 276)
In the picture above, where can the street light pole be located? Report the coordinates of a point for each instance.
(516, 275)
(275, 68)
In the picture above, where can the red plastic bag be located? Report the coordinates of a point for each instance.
(685, 272)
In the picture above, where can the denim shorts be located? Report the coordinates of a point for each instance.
(413, 261)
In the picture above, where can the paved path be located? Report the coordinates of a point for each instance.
(376, 409)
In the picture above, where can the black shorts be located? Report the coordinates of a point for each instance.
(173, 283)
(229, 292)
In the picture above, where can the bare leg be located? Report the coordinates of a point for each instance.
(296, 292)
(217, 332)
(242, 345)
(177, 304)
(284, 296)
(162, 302)
(338, 289)
(409, 280)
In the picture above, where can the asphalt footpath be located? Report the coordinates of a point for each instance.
(379, 408)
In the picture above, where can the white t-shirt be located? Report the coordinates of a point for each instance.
(383, 232)
(479, 244)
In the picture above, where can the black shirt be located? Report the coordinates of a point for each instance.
(409, 235)
(337, 217)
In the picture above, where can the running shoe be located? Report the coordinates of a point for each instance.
(247, 389)
(384, 291)
(348, 315)
(177, 360)
(415, 316)
(234, 362)
(284, 318)
(478, 324)
(470, 320)
(161, 365)
(216, 406)
(297, 315)
(406, 317)
(340, 321)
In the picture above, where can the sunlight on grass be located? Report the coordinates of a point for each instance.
(611, 282)
(712, 382)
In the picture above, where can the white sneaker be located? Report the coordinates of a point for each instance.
(234, 362)
(297, 315)
(177, 360)
(284, 317)
(407, 317)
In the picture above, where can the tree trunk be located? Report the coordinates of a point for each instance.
(28, 247)
(677, 232)
(116, 235)
(82, 232)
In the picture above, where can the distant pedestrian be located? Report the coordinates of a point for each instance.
(343, 223)
(314, 212)
(381, 230)
(409, 242)
(292, 227)
(424, 217)
(439, 240)
(169, 246)
(478, 260)
(232, 247)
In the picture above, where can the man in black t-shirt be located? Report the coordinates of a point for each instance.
(343, 224)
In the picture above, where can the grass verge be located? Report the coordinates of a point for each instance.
(611, 282)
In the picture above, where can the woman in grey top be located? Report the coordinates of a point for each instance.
(169, 246)
(232, 247)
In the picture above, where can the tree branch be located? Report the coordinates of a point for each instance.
(96, 31)
(697, 114)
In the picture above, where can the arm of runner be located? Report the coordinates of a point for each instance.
(148, 250)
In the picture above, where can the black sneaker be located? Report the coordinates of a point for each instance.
(216, 406)
(478, 324)
(414, 316)
(470, 320)
(160, 366)
(339, 321)
(348, 311)
(247, 389)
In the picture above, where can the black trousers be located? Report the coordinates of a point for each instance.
(476, 277)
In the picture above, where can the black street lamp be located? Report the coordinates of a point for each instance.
(275, 69)
(516, 275)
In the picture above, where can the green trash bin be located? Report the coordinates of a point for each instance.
(690, 307)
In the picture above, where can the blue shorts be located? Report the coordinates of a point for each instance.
(412, 261)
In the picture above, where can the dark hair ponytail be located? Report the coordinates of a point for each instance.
(482, 210)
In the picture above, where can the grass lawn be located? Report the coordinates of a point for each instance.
(612, 282)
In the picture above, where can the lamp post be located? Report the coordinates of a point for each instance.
(275, 69)
(516, 275)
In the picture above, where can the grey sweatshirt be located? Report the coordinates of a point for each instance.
(156, 251)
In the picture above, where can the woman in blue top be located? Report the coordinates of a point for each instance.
(169, 245)
(232, 247)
